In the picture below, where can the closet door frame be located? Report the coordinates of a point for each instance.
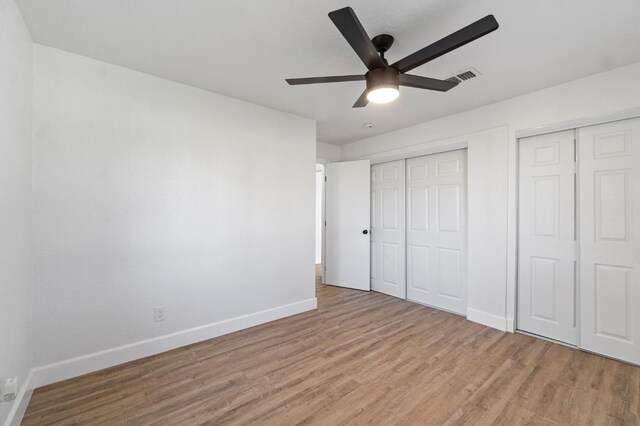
(464, 219)
(574, 125)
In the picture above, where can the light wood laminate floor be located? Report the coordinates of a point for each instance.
(361, 358)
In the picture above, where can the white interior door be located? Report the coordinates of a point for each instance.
(609, 160)
(546, 252)
(387, 228)
(436, 231)
(347, 215)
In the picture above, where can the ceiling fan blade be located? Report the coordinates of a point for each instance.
(447, 44)
(351, 28)
(332, 79)
(426, 83)
(362, 100)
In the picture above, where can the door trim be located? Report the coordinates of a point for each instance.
(579, 122)
(427, 148)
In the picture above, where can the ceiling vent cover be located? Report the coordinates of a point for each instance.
(465, 75)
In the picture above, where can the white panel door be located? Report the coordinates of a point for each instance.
(347, 214)
(609, 170)
(546, 252)
(387, 228)
(436, 231)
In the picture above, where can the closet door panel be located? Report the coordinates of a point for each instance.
(609, 176)
(546, 249)
(436, 231)
(388, 228)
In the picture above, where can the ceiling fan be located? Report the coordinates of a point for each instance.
(383, 80)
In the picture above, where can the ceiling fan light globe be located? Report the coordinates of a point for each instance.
(383, 95)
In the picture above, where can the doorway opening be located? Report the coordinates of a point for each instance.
(319, 221)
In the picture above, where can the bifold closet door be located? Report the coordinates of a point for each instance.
(609, 177)
(547, 247)
(436, 231)
(387, 228)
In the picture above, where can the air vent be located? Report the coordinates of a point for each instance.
(465, 75)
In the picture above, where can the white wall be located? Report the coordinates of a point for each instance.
(596, 95)
(327, 153)
(149, 193)
(16, 292)
(487, 174)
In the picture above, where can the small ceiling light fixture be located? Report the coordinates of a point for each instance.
(383, 95)
(382, 85)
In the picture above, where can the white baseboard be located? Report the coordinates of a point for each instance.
(511, 325)
(485, 318)
(19, 406)
(78, 366)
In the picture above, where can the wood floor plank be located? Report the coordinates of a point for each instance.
(360, 358)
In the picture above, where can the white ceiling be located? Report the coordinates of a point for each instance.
(245, 49)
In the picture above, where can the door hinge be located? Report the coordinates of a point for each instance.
(325, 178)
(325, 223)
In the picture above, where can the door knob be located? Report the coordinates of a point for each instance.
(365, 232)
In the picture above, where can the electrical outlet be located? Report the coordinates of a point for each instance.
(159, 314)
(10, 389)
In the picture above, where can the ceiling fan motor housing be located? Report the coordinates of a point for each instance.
(382, 77)
(382, 42)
